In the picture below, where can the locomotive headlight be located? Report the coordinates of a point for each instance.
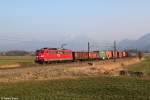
(41, 56)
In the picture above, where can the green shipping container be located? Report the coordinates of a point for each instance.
(102, 54)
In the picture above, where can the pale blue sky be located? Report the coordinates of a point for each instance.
(98, 19)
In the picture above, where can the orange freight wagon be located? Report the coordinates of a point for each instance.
(124, 54)
(109, 54)
(120, 54)
(115, 54)
(94, 55)
(80, 55)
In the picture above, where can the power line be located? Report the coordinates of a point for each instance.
(115, 53)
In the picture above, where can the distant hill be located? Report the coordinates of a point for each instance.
(78, 42)
(143, 43)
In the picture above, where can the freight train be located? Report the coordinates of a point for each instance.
(48, 55)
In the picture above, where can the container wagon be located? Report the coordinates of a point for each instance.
(102, 55)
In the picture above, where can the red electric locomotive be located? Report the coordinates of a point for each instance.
(46, 55)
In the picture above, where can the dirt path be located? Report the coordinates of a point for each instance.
(9, 66)
(72, 70)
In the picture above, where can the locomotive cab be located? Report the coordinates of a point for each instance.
(39, 56)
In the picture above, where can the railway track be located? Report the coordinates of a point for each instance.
(60, 64)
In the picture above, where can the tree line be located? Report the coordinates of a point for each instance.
(17, 53)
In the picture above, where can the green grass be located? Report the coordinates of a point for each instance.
(143, 66)
(6, 60)
(91, 88)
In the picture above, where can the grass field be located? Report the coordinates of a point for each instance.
(96, 88)
(83, 88)
(143, 66)
(22, 60)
